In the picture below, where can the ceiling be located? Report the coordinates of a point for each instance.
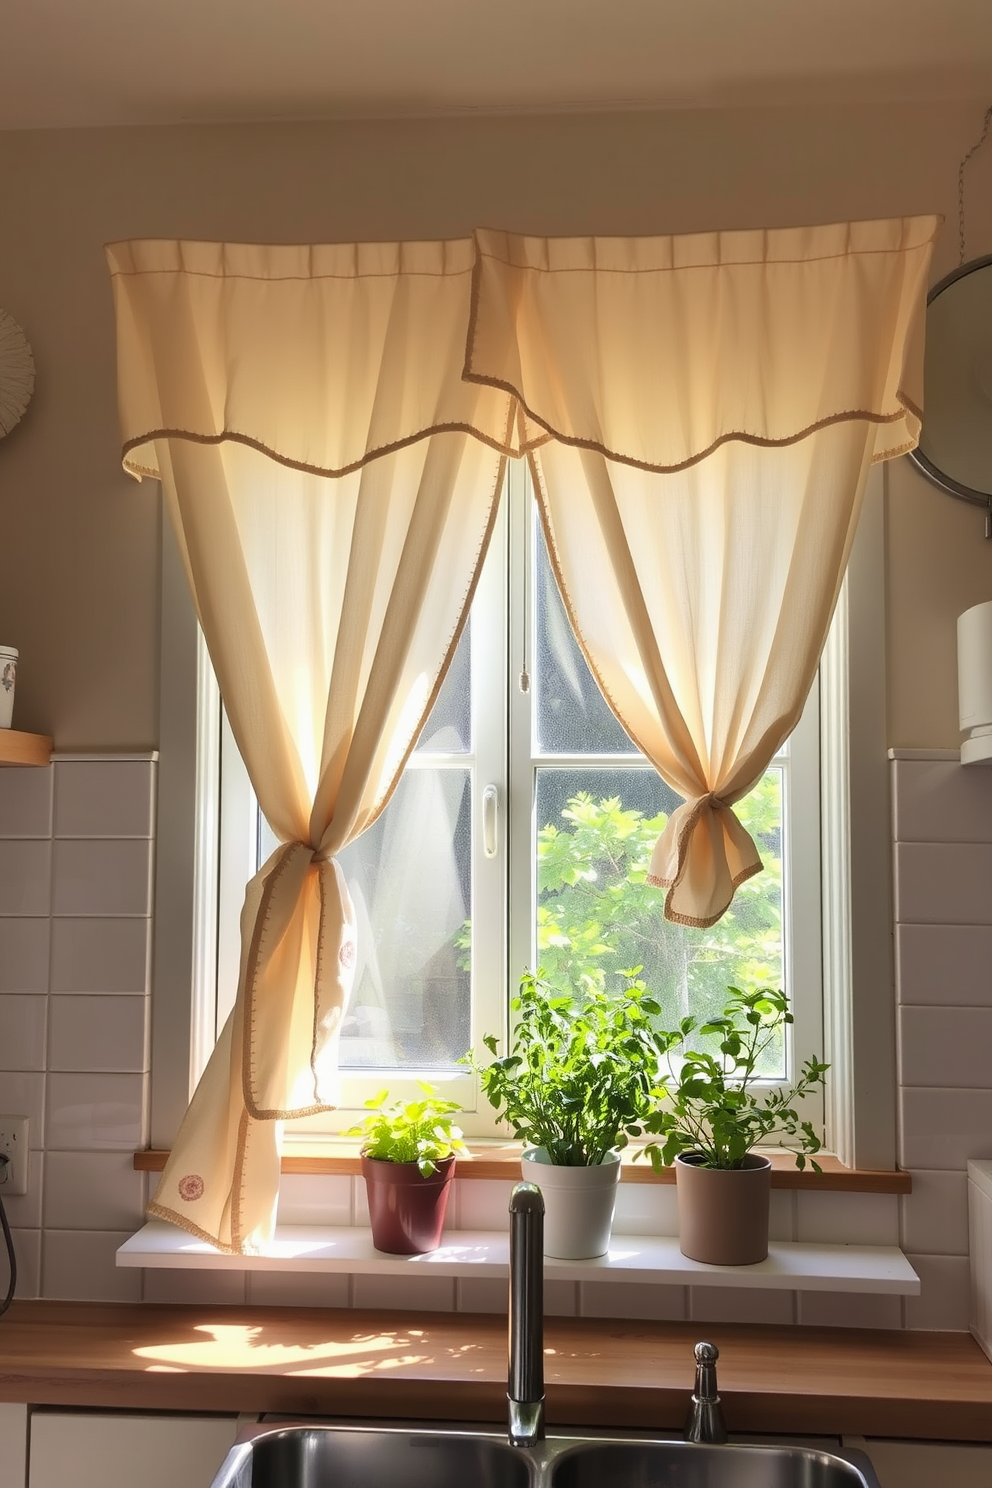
(69, 63)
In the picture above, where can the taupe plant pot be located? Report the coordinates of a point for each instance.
(723, 1212)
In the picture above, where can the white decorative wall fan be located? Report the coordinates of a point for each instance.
(16, 373)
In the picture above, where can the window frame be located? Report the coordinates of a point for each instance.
(855, 895)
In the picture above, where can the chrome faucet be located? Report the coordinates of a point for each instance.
(704, 1423)
(525, 1381)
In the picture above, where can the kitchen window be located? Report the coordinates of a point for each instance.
(518, 836)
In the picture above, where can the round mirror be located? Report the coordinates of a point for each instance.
(955, 448)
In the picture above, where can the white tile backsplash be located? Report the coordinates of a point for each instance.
(848, 1218)
(24, 1095)
(306, 1199)
(848, 1310)
(646, 1209)
(23, 1030)
(92, 1191)
(633, 1300)
(24, 955)
(104, 798)
(297, 1289)
(407, 1293)
(96, 1112)
(100, 955)
(25, 877)
(83, 1188)
(944, 1301)
(212, 1288)
(101, 878)
(483, 1203)
(943, 883)
(937, 801)
(80, 1265)
(99, 1033)
(944, 1128)
(740, 1305)
(944, 965)
(24, 1210)
(81, 1058)
(934, 1217)
(945, 1046)
(487, 1295)
(27, 1250)
(26, 801)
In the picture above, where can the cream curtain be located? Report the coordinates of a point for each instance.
(304, 411)
(702, 413)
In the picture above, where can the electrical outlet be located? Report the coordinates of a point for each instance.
(14, 1142)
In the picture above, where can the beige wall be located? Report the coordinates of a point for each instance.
(79, 569)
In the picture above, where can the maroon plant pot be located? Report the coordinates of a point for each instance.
(723, 1213)
(407, 1210)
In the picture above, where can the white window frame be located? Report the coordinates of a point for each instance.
(855, 898)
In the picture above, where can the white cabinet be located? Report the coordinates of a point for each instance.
(13, 1445)
(91, 1450)
(909, 1464)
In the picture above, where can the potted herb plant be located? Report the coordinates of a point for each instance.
(408, 1162)
(577, 1083)
(713, 1117)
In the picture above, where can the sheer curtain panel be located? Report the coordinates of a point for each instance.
(332, 483)
(701, 413)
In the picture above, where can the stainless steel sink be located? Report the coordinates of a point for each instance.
(319, 1456)
(646, 1464)
(327, 1455)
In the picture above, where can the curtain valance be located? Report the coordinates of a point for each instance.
(655, 351)
(322, 356)
(516, 340)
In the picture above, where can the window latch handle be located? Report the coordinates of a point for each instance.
(490, 820)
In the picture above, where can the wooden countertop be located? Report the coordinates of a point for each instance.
(430, 1366)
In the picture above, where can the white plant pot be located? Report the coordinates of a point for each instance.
(8, 676)
(578, 1204)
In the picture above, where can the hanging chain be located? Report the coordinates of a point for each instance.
(977, 146)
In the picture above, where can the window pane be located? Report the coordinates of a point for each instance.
(572, 715)
(597, 916)
(409, 877)
(448, 729)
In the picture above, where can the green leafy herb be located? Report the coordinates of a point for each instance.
(410, 1131)
(712, 1109)
(580, 1076)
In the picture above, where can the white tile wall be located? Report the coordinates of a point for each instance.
(25, 877)
(76, 846)
(944, 965)
(98, 1033)
(101, 878)
(101, 954)
(848, 1310)
(76, 842)
(80, 1265)
(943, 909)
(980, 1234)
(23, 952)
(23, 1026)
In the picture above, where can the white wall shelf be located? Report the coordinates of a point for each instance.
(484, 1254)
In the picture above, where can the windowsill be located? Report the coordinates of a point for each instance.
(502, 1160)
(483, 1255)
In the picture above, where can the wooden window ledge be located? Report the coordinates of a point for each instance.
(495, 1160)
